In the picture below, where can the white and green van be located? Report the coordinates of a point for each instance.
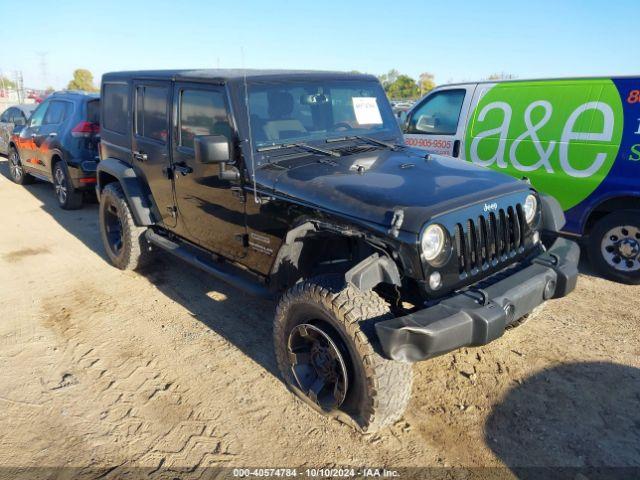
(575, 139)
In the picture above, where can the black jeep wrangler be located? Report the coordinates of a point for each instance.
(297, 185)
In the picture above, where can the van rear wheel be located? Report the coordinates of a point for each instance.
(614, 246)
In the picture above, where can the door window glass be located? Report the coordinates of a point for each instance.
(17, 118)
(56, 113)
(38, 115)
(151, 112)
(202, 112)
(439, 114)
(115, 100)
(6, 116)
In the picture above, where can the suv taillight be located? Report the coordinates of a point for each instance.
(85, 129)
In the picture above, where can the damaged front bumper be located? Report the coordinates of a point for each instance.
(478, 316)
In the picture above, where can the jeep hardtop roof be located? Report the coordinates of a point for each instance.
(223, 75)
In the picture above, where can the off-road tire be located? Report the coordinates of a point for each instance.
(594, 244)
(380, 388)
(68, 197)
(135, 250)
(24, 178)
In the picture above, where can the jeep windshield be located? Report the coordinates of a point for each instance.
(295, 113)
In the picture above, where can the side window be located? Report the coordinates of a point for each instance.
(56, 113)
(439, 114)
(6, 116)
(38, 115)
(202, 112)
(115, 100)
(151, 112)
(18, 117)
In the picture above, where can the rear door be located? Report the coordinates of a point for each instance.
(437, 123)
(46, 138)
(151, 143)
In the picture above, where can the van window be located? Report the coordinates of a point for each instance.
(115, 99)
(202, 112)
(56, 113)
(438, 114)
(151, 112)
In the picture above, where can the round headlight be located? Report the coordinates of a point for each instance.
(530, 207)
(433, 242)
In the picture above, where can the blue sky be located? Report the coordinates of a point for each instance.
(454, 40)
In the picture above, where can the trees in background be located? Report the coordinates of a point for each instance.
(82, 80)
(7, 83)
(426, 82)
(403, 87)
(501, 76)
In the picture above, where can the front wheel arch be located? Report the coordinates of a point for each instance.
(608, 206)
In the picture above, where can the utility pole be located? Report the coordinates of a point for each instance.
(19, 86)
(43, 67)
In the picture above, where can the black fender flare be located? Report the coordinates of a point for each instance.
(131, 185)
(553, 219)
(365, 275)
(373, 271)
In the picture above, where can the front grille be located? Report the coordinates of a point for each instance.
(489, 240)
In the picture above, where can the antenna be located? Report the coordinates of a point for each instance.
(246, 106)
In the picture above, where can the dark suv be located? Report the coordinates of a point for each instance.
(297, 185)
(59, 144)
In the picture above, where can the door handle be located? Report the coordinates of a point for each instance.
(141, 157)
(33, 135)
(53, 134)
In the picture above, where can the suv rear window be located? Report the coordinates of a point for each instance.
(115, 100)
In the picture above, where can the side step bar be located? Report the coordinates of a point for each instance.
(190, 255)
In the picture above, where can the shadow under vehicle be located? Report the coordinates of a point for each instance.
(577, 420)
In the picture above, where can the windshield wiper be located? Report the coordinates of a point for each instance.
(305, 146)
(369, 140)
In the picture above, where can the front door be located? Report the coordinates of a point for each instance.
(151, 144)
(210, 209)
(27, 140)
(436, 123)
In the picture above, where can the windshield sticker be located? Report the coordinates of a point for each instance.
(367, 111)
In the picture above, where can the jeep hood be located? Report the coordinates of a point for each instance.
(370, 186)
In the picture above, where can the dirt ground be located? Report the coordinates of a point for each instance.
(171, 369)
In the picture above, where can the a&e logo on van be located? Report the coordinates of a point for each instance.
(563, 135)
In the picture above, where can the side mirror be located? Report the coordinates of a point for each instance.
(212, 149)
(18, 128)
(19, 122)
(215, 149)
